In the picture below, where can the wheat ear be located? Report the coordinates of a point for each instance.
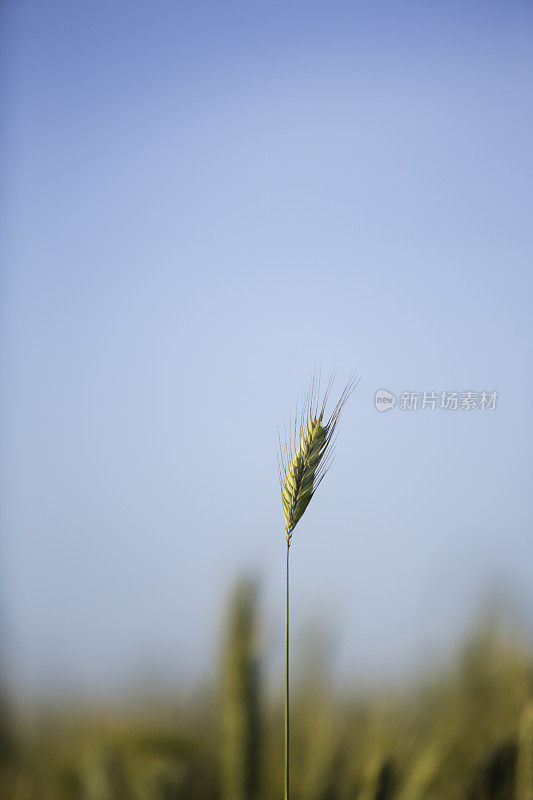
(304, 458)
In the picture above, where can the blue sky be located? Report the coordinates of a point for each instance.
(201, 202)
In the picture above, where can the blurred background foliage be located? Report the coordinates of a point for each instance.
(463, 731)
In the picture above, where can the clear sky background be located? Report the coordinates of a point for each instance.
(201, 201)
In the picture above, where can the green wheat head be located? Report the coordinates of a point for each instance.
(305, 457)
(240, 697)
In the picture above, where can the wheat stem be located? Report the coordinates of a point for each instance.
(286, 782)
(302, 466)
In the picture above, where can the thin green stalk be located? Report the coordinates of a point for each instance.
(286, 782)
(303, 461)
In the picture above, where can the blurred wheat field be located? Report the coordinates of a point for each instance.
(465, 733)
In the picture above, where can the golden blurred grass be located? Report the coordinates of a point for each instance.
(464, 733)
